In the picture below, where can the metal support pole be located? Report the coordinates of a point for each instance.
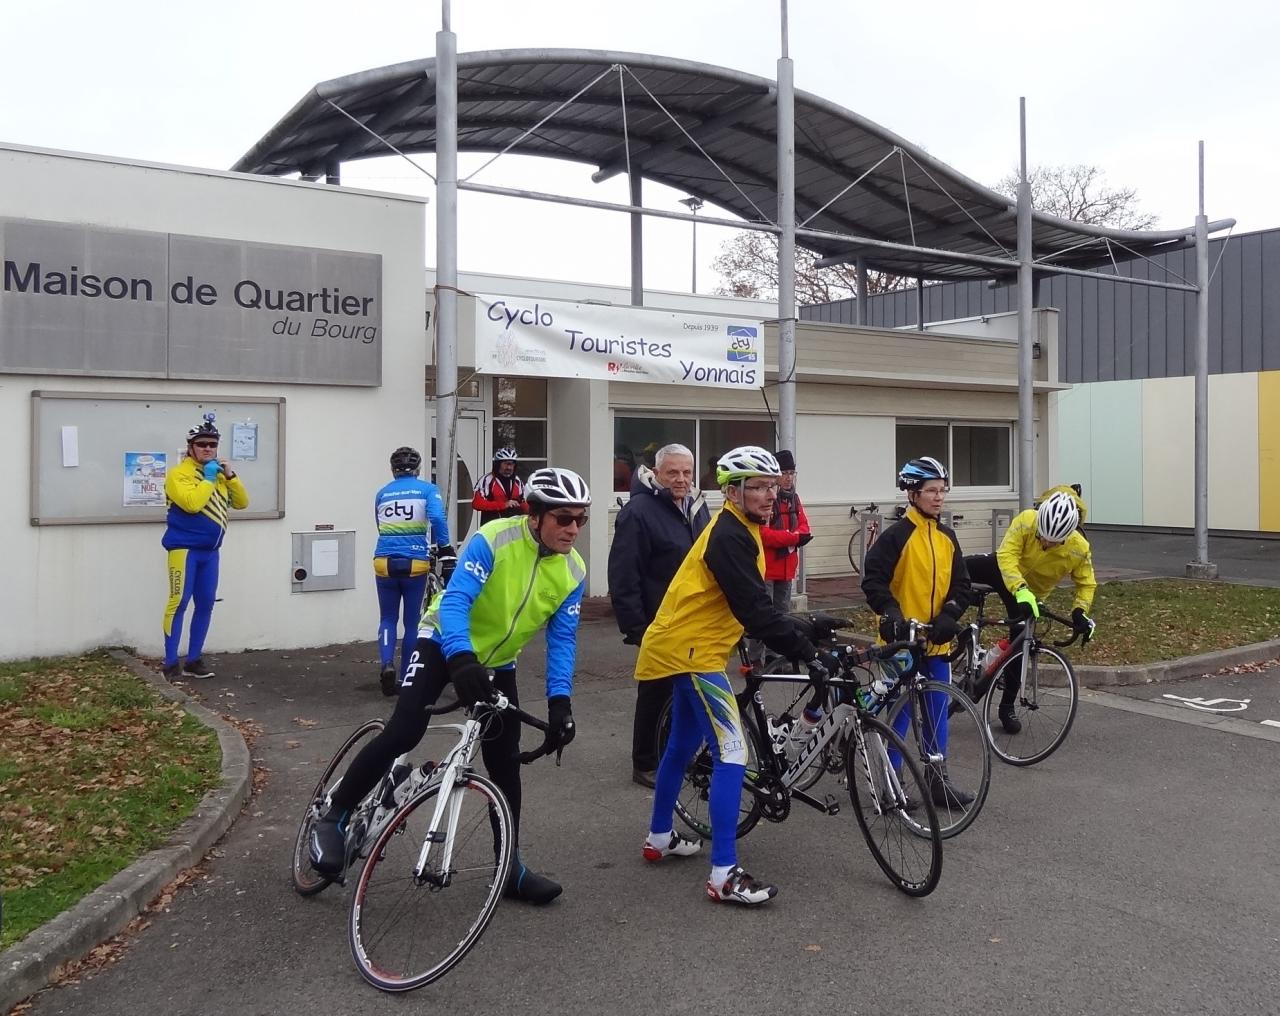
(786, 247)
(860, 310)
(1026, 405)
(333, 173)
(1201, 568)
(637, 241)
(446, 256)
(919, 303)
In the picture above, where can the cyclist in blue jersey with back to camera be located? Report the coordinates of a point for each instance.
(201, 491)
(513, 577)
(412, 531)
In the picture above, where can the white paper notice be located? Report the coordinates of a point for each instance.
(71, 446)
(324, 558)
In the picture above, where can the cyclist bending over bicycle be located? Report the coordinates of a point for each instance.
(1041, 547)
(718, 592)
(915, 571)
(514, 576)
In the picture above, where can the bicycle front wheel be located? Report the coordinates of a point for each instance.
(693, 803)
(1044, 709)
(306, 880)
(895, 814)
(950, 776)
(407, 930)
(853, 554)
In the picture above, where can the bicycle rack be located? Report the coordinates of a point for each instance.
(1000, 519)
(867, 518)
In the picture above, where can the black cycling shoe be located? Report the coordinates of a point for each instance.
(945, 794)
(328, 851)
(530, 887)
(1011, 723)
(387, 678)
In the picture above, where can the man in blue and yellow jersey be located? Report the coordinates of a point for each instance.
(915, 571)
(200, 490)
(717, 593)
(412, 531)
(514, 576)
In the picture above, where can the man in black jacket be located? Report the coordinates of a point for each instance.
(653, 532)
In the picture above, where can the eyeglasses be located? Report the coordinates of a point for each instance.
(564, 521)
(204, 444)
(761, 488)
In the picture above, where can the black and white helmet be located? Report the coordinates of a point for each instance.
(745, 462)
(553, 487)
(505, 455)
(205, 429)
(1057, 517)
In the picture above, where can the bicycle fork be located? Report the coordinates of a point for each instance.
(447, 807)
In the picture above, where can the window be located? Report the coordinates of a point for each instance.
(637, 438)
(978, 455)
(519, 412)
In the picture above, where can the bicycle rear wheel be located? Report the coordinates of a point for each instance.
(694, 799)
(406, 932)
(1045, 707)
(888, 802)
(853, 553)
(966, 763)
(306, 880)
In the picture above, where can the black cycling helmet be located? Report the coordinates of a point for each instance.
(206, 429)
(405, 461)
(917, 472)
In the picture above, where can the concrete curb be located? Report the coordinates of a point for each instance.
(28, 966)
(1176, 670)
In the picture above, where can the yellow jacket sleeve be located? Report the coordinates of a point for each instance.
(1082, 575)
(1009, 556)
(236, 492)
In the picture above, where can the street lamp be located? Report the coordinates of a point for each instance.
(693, 204)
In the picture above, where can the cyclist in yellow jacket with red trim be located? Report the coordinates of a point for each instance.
(915, 571)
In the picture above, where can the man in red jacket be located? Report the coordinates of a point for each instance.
(500, 494)
(786, 533)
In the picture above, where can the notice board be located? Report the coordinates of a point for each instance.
(101, 457)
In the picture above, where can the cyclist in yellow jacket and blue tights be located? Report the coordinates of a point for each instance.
(1041, 547)
(200, 491)
(915, 571)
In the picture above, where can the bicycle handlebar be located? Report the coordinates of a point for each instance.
(1068, 622)
(504, 705)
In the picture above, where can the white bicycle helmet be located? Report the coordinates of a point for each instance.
(505, 455)
(1057, 518)
(745, 462)
(557, 488)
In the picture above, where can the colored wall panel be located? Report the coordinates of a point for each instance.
(1168, 440)
(1233, 452)
(1115, 487)
(1269, 450)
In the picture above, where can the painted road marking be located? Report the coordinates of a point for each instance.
(1213, 705)
(1271, 723)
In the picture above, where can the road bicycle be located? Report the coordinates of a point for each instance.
(437, 844)
(1048, 692)
(910, 705)
(885, 784)
(864, 534)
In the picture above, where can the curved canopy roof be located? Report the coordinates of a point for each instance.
(906, 197)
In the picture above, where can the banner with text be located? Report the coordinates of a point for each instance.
(545, 338)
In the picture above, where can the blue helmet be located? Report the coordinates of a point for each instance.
(913, 475)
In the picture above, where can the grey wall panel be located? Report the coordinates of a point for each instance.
(1136, 331)
(1251, 302)
(1270, 290)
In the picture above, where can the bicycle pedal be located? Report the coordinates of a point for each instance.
(832, 804)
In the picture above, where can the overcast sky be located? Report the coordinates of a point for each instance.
(1130, 86)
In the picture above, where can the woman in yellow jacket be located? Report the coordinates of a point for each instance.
(1040, 548)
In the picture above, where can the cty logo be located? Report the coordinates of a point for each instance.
(477, 569)
(742, 344)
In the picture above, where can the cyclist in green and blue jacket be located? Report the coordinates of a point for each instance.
(514, 576)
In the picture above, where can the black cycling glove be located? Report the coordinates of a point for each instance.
(470, 679)
(946, 626)
(892, 626)
(824, 665)
(447, 558)
(804, 539)
(1082, 624)
(561, 729)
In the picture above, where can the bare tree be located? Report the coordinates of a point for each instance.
(1080, 193)
(748, 266)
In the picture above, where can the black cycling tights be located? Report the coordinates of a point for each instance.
(408, 724)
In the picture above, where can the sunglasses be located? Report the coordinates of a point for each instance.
(564, 521)
(204, 444)
(760, 488)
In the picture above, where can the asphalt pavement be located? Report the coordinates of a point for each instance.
(1134, 871)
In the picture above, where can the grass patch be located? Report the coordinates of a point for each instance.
(95, 769)
(1158, 619)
